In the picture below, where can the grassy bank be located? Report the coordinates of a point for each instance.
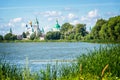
(62, 40)
(102, 64)
(102, 41)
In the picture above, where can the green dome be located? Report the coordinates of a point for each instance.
(57, 26)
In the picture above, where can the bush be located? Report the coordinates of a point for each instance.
(10, 36)
(32, 36)
(1, 37)
(53, 35)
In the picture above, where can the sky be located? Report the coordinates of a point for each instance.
(15, 14)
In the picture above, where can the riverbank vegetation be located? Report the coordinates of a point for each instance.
(104, 31)
(101, 64)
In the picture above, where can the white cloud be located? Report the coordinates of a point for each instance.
(50, 19)
(90, 18)
(15, 20)
(10, 24)
(75, 22)
(52, 13)
(47, 28)
(23, 25)
(93, 14)
(72, 16)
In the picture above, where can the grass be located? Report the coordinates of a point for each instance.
(102, 41)
(63, 40)
(102, 64)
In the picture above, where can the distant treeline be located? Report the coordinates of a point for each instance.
(103, 30)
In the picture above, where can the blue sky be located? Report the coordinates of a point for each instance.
(16, 14)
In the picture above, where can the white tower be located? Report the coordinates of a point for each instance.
(36, 28)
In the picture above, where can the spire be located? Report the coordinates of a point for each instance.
(42, 30)
(37, 21)
(57, 21)
(32, 30)
(10, 30)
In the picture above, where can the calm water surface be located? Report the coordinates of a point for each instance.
(37, 52)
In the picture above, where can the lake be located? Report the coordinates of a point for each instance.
(40, 54)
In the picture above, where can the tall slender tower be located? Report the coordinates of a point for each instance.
(11, 30)
(36, 28)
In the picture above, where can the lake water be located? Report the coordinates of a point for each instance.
(40, 54)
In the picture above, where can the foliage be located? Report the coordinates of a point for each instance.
(27, 33)
(9, 72)
(32, 36)
(38, 34)
(100, 64)
(94, 62)
(65, 27)
(81, 29)
(1, 38)
(71, 32)
(107, 29)
(10, 36)
(24, 35)
(97, 28)
(53, 35)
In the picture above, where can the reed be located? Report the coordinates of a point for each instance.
(91, 66)
(103, 71)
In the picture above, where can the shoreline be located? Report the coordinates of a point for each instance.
(89, 41)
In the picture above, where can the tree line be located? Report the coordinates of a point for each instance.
(102, 30)
(107, 29)
(68, 32)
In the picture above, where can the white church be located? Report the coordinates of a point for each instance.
(34, 28)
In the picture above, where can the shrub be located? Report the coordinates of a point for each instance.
(1, 37)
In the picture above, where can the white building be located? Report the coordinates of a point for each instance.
(33, 28)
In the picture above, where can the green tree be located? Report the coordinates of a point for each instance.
(71, 36)
(104, 32)
(107, 30)
(113, 27)
(14, 37)
(65, 27)
(66, 30)
(53, 35)
(1, 38)
(117, 31)
(27, 33)
(32, 36)
(81, 28)
(8, 36)
(97, 28)
(38, 34)
(24, 35)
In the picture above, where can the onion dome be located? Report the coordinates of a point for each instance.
(57, 26)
